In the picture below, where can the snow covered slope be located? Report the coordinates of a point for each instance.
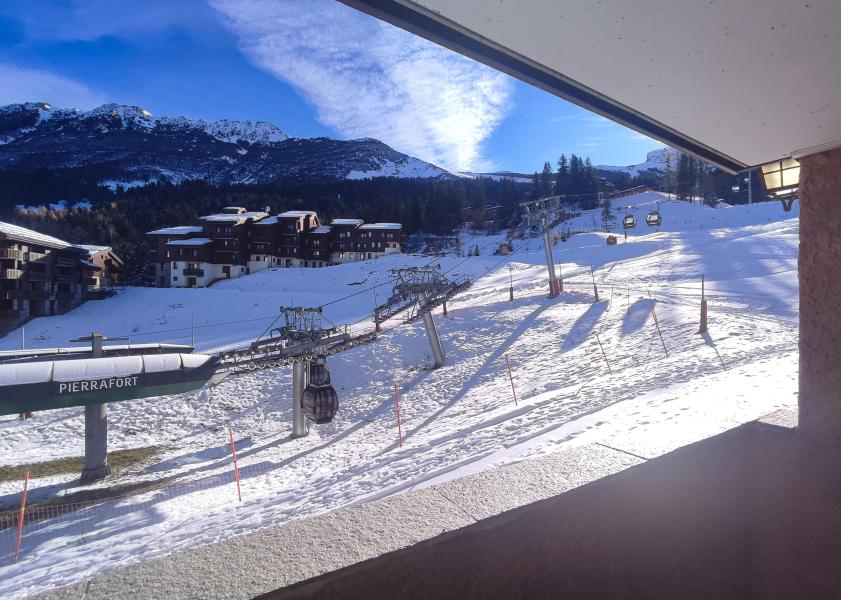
(456, 419)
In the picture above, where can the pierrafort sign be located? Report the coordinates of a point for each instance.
(94, 385)
(156, 375)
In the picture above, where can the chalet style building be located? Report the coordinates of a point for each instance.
(237, 242)
(110, 266)
(40, 275)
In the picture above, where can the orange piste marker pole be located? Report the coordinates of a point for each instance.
(20, 516)
(236, 468)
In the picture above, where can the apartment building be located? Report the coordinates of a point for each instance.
(40, 275)
(236, 242)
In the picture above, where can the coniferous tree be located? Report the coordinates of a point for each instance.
(608, 218)
(546, 180)
(562, 176)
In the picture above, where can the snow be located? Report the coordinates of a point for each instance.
(296, 213)
(654, 161)
(246, 131)
(237, 218)
(392, 226)
(457, 419)
(322, 229)
(408, 167)
(190, 242)
(33, 237)
(346, 222)
(179, 230)
(96, 368)
(93, 249)
(113, 184)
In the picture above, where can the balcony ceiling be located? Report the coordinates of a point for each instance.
(736, 82)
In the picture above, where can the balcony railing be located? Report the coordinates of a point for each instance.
(30, 256)
(10, 273)
(194, 272)
(12, 253)
(36, 276)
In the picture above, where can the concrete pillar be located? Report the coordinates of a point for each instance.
(300, 374)
(819, 269)
(96, 430)
(432, 333)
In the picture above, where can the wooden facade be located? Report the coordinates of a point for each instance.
(40, 275)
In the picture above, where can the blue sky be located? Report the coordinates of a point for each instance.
(313, 67)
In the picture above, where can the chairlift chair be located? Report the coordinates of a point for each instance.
(629, 221)
(654, 219)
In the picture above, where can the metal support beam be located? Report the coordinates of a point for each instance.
(300, 373)
(550, 264)
(96, 430)
(432, 333)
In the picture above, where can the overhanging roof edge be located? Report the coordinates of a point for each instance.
(427, 24)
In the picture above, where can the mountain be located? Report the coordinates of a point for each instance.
(126, 145)
(655, 163)
(500, 175)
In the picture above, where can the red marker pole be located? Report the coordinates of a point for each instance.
(397, 412)
(236, 468)
(20, 516)
(511, 378)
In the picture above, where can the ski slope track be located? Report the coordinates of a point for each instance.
(457, 419)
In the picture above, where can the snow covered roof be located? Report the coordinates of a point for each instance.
(190, 242)
(93, 249)
(267, 221)
(229, 218)
(9, 231)
(297, 213)
(346, 222)
(392, 226)
(322, 229)
(96, 368)
(14, 354)
(180, 230)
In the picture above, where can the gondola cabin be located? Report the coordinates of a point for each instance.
(629, 221)
(320, 403)
(654, 219)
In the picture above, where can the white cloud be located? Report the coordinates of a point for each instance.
(19, 84)
(366, 78)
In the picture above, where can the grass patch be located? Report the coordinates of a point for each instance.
(73, 465)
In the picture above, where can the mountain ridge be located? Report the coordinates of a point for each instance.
(126, 144)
